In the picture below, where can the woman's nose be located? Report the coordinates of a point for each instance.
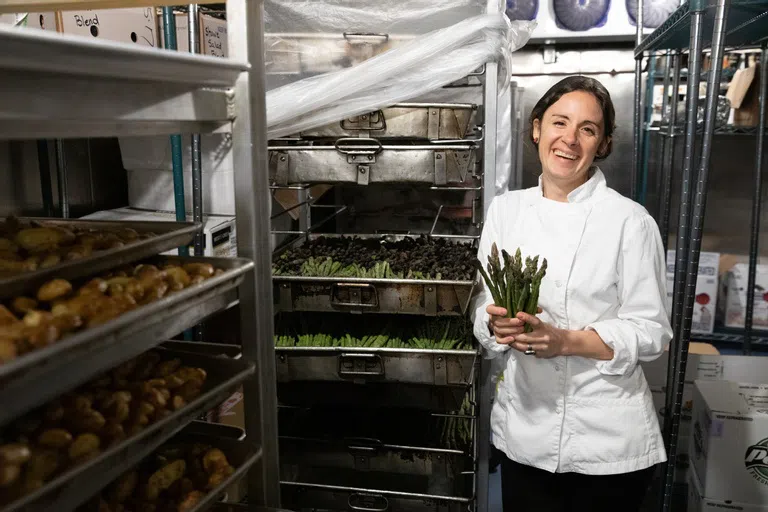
(570, 137)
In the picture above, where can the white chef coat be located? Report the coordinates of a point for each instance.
(606, 272)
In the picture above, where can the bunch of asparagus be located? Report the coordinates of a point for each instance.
(457, 428)
(513, 287)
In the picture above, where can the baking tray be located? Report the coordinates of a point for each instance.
(25, 381)
(205, 348)
(306, 495)
(169, 235)
(77, 485)
(397, 296)
(411, 366)
(365, 161)
(441, 472)
(431, 121)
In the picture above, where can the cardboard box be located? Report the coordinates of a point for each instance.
(213, 35)
(220, 232)
(743, 93)
(706, 290)
(729, 448)
(40, 20)
(136, 25)
(697, 502)
(733, 297)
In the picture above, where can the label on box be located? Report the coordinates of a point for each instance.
(221, 241)
(706, 290)
(735, 296)
(136, 25)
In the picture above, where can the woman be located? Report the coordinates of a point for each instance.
(573, 413)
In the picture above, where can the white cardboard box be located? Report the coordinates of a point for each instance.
(706, 290)
(213, 35)
(697, 502)
(729, 443)
(153, 190)
(220, 232)
(733, 297)
(134, 25)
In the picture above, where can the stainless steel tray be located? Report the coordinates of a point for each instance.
(169, 235)
(442, 468)
(77, 485)
(25, 381)
(429, 367)
(364, 161)
(432, 121)
(305, 495)
(399, 296)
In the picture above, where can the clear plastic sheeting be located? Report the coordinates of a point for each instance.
(420, 65)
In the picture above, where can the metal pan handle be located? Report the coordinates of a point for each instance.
(358, 293)
(368, 503)
(351, 36)
(363, 444)
(358, 146)
(368, 360)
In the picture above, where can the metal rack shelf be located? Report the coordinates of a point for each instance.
(58, 86)
(76, 486)
(747, 24)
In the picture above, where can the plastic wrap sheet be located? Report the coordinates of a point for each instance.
(420, 65)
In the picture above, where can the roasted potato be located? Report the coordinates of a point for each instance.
(53, 290)
(55, 438)
(190, 501)
(199, 269)
(6, 317)
(84, 446)
(8, 350)
(37, 240)
(23, 305)
(164, 478)
(16, 453)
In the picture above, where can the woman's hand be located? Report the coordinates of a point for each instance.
(546, 340)
(505, 329)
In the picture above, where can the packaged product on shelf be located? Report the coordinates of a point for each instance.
(135, 25)
(697, 502)
(729, 441)
(213, 35)
(220, 235)
(706, 290)
(733, 298)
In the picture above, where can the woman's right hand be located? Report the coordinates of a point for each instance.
(505, 329)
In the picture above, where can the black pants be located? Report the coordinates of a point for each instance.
(528, 489)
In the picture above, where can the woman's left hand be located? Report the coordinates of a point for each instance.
(546, 340)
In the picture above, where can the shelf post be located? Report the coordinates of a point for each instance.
(245, 28)
(638, 123)
(757, 197)
(689, 274)
(668, 153)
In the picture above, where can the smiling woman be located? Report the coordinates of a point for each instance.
(573, 413)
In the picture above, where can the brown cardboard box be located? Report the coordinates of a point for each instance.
(137, 25)
(743, 93)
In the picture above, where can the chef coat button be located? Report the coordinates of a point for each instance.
(559, 284)
(557, 368)
(557, 411)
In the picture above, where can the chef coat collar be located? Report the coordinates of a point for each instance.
(588, 190)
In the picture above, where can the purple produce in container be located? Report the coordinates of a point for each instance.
(581, 15)
(522, 10)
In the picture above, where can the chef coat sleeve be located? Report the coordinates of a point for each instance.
(482, 297)
(642, 330)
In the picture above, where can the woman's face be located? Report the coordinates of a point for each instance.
(570, 134)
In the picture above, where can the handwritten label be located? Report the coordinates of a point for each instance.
(90, 20)
(215, 41)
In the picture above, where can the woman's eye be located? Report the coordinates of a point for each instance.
(589, 131)
(559, 123)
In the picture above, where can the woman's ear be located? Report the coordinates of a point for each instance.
(536, 133)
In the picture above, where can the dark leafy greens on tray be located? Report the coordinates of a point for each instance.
(28, 246)
(317, 330)
(59, 309)
(378, 258)
(176, 478)
(81, 424)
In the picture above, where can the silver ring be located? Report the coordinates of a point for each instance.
(529, 351)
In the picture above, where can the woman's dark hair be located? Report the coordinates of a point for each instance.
(579, 83)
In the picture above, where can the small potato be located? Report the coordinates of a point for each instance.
(8, 246)
(6, 317)
(37, 318)
(164, 478)
(16, 453)
(23, 305)
(9, 474)
(124, 487)
(113, 433)
(156, 291)
(157, 399)
(55, 438)
(78, 252)
(166, 368)
(42, 335)
(8, 265)
(67, 323)
(50, 260)
(41, 465)
(127, 234)
(83, 445)
(178, 279)
(218, 477)
(96, 285)
(53, 290)
(197, 279)
(214, 460)
(8, 350)
(148, 271)
(89, 422)
(200, 269)
(191, 501)
(37, 240)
